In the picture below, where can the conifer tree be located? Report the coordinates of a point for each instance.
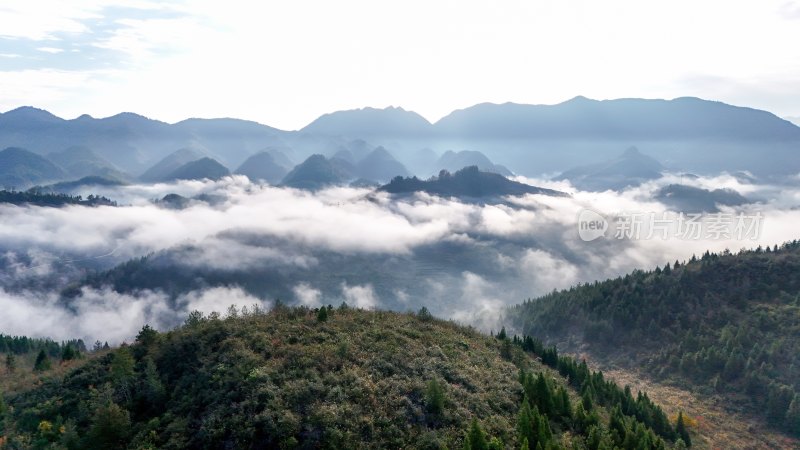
(11, 362)
(42, 362)
(434, 397)
(525, 422)
(680, 429)
(477, 437)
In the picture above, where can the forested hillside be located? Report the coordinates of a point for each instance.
(38, 198)
(332, 378)
(724, 324)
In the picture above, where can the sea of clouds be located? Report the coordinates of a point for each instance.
(464, 260)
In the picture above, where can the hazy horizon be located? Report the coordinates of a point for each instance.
(285, 65)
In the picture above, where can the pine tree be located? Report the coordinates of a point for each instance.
(506, 350)
(565, 404)
(496, 444)
(152, 390)
(424, 314)
(42, 362)
(525, 422)
(477, 437)
(322, 314)
(110, 427)
(11, 363)
(680, 429)
(524, 445)
(502, 334)
(68, 353)
(579, 420)
(543, 394)
(434, 397)
(793, 415)
(586, 398)
(543, 432)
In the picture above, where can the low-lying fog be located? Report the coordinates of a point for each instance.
(252, 244)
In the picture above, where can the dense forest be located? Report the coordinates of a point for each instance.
(39, 198)
(725, 324)
(332, 378)
(20, 345)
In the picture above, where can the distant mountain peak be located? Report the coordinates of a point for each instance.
(381, 165)
(369, 121)
(580, 99)
(263, 166)
(317, 172)
(629, 169)
(32, 113)
(129, 116)
(632, 151)
(203, 168)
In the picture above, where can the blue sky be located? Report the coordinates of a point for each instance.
(285, 63)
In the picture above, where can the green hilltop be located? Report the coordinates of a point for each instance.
(330, 378)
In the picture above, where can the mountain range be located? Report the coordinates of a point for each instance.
(686, 133)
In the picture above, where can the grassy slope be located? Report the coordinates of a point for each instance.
(358, 379)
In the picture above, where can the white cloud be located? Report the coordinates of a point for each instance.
(141, 39)
(527, 250)
(360, 296)
(307, 296)
(547, 272)
(481, 303)
(103, 314)
(44, 19)
(108, 315)
(51, 50)
(219, 299)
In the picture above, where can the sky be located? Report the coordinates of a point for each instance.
(286, 63)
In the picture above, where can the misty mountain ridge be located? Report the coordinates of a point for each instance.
(683, 117)
(629, 169)
(201, 169)
(162, 170)
(380, 165)
(367, 122)
(20, 169)
(263, 166)
(80, 162)
(685, 133)
(318, 172)
(452, 161)
(469, 182)
(691, 199)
